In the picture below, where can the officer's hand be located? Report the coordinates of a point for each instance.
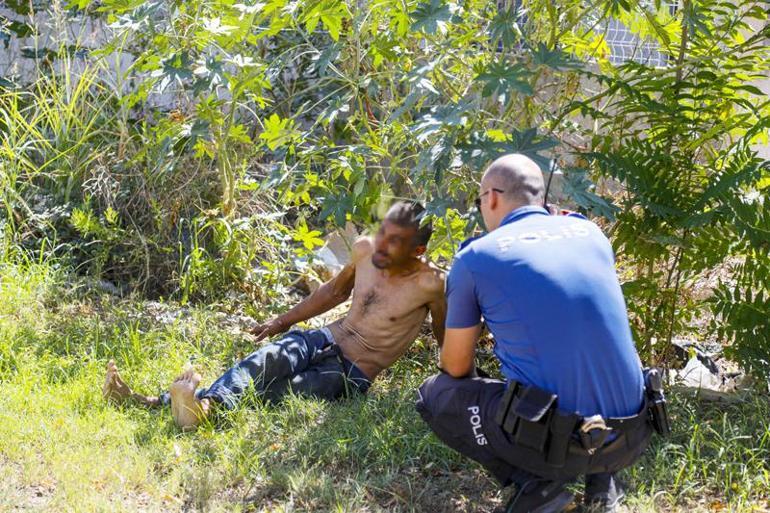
(268, 329)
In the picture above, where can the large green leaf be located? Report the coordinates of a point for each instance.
(278, 132)
(431, 16)
(579, 188)
(331, 13)
(502, 78)
(556, 59)
(504, 27)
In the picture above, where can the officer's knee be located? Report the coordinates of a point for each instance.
(430, 391)
(425, 390)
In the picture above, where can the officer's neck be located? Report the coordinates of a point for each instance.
(510, 209)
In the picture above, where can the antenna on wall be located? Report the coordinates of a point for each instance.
(548, 185)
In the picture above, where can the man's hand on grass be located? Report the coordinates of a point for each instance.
(268, 329)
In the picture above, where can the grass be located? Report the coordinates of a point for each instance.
(63, 448)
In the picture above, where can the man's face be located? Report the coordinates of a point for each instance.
(394, 245)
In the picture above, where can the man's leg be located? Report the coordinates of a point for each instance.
(186, 408)
(303, 362)
(325, 378)
(461, 413)
(271, 364)
(454, 410)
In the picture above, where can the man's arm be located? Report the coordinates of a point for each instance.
(327, 296)
(458, 351)
(437, 309)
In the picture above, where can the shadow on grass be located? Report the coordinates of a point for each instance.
(375, 454)
(369, 453)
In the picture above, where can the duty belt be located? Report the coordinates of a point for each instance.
(531, 416)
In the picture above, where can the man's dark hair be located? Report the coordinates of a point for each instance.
(411, 214)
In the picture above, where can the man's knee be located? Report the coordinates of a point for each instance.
(273, 353)
(266, 364)
(320, 383)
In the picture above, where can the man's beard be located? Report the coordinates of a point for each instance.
(379, 265)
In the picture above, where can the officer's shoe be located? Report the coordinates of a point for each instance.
(603, 494)
(602, 504)
(539, 496)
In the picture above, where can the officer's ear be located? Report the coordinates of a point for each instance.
(420, 250)
(493, 199)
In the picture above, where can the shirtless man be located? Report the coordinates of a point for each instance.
(393, 289)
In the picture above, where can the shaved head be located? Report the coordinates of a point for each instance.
(519, 177)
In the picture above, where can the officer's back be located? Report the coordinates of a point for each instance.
(547, 288)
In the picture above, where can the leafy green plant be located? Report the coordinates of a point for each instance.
(322, 112)
(680, 140)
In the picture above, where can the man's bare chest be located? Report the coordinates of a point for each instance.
(376, 295)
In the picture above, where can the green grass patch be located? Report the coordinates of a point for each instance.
(63, 448)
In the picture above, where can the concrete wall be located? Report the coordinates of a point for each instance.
(55, 29)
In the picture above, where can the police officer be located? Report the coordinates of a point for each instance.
(573, 401)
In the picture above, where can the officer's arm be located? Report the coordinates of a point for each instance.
(457, 354)
(463, 323)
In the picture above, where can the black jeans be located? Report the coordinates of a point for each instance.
(461, 412)
(305, 362)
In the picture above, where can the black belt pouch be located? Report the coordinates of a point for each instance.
(562, 426)
(533, 407)
(505, 405)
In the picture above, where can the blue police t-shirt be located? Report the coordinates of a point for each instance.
(547, 288)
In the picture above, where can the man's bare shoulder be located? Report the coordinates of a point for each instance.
(432, 278)
(362, 248)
